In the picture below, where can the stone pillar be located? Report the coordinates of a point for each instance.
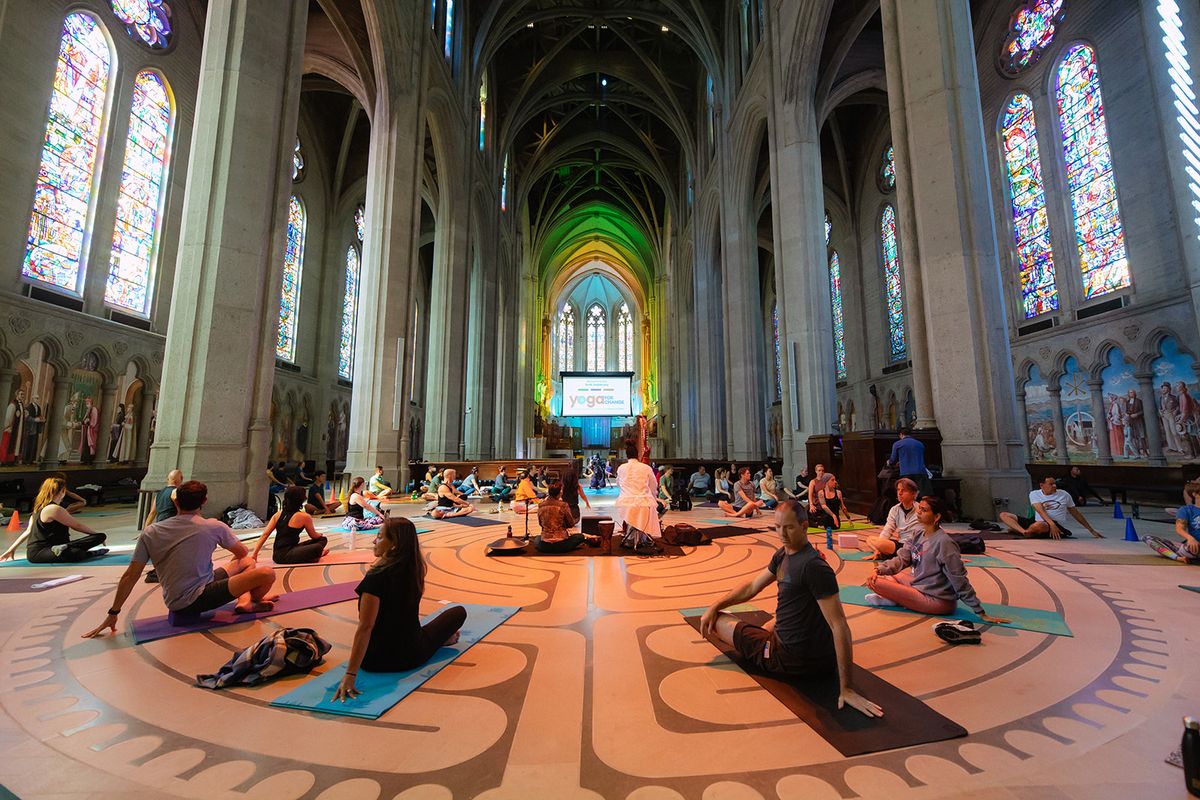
(481, 388)
(709, 373)
(953, 290)
(142, 426)
(7, 377)
(1100, 421)
(1154, 438)
(1060, 425)
(1023, 413)
(379, 403)
(108, 397)
(216, 398)
(52, 453)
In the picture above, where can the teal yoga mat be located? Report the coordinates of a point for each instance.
(983, 561)
(382, 690)
(1190, 588)
(1025, 619)
(347, 530)
(110, 560)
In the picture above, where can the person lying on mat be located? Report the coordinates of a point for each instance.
(181, 549)
(938, 579)
(1187, 525)
(555, 518)
(287, 524)
(360, 514)
(315, 502)
(526, 497)
(744, 504)
(49, 531)
(901, 523)
(1050, 508)
(390, 636)
(449, 502)
(810, 636)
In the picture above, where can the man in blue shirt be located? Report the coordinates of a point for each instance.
(909, 455)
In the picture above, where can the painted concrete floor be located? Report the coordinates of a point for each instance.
(597, 688)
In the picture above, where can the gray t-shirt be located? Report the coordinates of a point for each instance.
(181, 549)
(742, 490)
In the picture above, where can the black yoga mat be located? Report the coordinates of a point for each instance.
(722, 531)
(472, 522)
(1116, 559)
(906, 721)
(617, 550)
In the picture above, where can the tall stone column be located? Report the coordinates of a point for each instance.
(710, 370)
(1100, 421)
(954, 294)
(1023, 414)
(382, 347)
(1154, 439)
(52, 449)
(1060, 425)
(481, 389)
(220, 350)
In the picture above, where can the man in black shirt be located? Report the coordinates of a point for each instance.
(1078, 487)
(810, 636)
(315, 502)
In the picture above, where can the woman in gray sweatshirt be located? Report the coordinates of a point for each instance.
(938, 579)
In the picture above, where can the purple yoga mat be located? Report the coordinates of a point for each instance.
(152, 628)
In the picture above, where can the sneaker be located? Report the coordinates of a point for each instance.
(958, 632)
(878, 600)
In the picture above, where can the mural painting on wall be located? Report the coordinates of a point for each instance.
(343, 431)
(1039, 418)
(1176, 396)
(1080, 425)
(1126, 416)
(26, 411)
(891, 411)
(80, 432)
(124, 426)
(910, 409)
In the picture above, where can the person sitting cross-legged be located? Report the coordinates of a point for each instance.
(768, 489)
(379, 487)
(1187, 525)
(901, 524)
(501, 491)
(287, 524)
(744, 503)
(49, 530)
(555, 518)
(938, 579)
(810, 636)
(360, 514)
(315, 502)
(1050, 507)
(526, 499)
(181, 549)
(700, 482)
(449, 502)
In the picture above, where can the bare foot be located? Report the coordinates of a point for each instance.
(255, 608)
(271, 598)
(453, 638)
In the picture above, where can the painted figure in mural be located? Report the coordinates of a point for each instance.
(89, 431)
(128, 450)
(13, 436)
(343, 432)
(1168, 417)
(876, 408)
(1116, 426)
(34, 422)
(1136, 415)
(1188, 410)
(331, 435)
(1042, 442)
(115, 431)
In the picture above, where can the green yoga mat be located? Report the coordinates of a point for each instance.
(982, 561)
(1024, 619)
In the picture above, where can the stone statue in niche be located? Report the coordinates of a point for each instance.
(876, 408)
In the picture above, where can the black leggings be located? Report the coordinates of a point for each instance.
(565, 546)
(304, 553)
(716, 497)
(76, 550)
(409, 655)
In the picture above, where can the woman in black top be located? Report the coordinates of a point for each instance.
(390, 636)
(50, 527)
(572, 493)
(360, 515)
(287, 525)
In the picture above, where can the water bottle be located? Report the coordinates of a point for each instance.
(1190, 748)
(829, 537)
(510, 532)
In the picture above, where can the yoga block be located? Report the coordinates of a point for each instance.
(847, 541)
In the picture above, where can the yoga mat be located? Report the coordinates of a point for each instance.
(1024, 619)
(906, 721)
(24, 585)
(337, 557)
(996, 536)
(732, 520)
(1190, 588)
(847, 527)
(724, 531)
(109, 560)
(382, 690)
(1117, 559)
(983, 561)
(371, 530)
(596, 552)
(471, 522)
(150, 629)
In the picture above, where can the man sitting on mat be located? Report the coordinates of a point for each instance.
(901, 524)
(379, 487)
(1187, 525)
(1050, 506)
(555, 518)
(449, 502)
(700, 482)
(744, 503)
(181, 549)
(938, 579)
(810, 637)
(315, 502)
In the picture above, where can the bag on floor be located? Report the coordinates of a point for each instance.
(287, 651)
(969, 544)
(684, 535)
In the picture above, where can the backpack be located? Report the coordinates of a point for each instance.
(969, 544)
(684, 535)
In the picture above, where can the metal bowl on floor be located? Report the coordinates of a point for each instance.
(508, 546)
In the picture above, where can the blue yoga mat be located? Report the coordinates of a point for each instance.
(371, 530)
(1190, 588)
(1025, 619)
(982, 561)
(110, 560)
(382, 690)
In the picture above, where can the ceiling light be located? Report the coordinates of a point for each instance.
(665, 29)
(604, 81)
(528, 24)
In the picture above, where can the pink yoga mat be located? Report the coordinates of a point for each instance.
(152, 628)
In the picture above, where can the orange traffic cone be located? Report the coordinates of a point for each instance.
(14, 524)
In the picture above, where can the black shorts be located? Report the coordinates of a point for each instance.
(762, 648)
(1025, 522)
(214, 595)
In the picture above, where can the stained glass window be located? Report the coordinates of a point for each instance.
(483, 111)
(897, 346)
(449, 29)
(624, 339)
(710, 100)
(55, 250)
(349, 315)
(566, 339)
(778, 351)
(297, 162)
(139, 200)
(504, 185)
(595, 339)
(1099, 234)
(293, 266)
(828, 229)
(1187, 116)
(887, 169)
(762, 18)
(148, 21)
(1031, 227)
(1030, 31)
(433, 14)
(839, 315)
(360, 223)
